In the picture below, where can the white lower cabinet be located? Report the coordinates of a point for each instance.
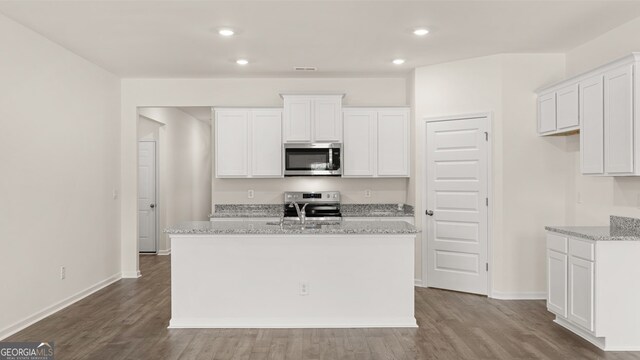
(581, 292)
(592, 288)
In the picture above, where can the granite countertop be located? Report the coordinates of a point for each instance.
(265, 228)
(619, 229)
(275, 210)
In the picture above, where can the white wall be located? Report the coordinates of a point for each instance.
(528, 171)
(246, 92)
(59, 164)
(601, 196)
(185, 166)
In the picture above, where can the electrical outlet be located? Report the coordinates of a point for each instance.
(304, 288)
(63, 272)
(367, 193)
(250, 194)
(115, 194)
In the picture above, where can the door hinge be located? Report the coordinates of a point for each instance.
(486, 201)
(486, 136)
(487, 266)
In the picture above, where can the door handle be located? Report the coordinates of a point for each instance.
(429, 212)
(152, 206)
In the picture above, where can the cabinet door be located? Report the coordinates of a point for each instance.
(266, 143)
(327, 119)
(567, 109)
(618, 120)
(231, 145)
(547, 113)
(592, 126)
(359, 144)
(581, 292)
(557, 283)
(393, 143)
(297, 119)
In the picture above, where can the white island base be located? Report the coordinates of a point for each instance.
(292, 280)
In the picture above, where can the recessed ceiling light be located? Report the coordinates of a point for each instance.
(226, 32)
(242, 61)
(421, 32)
(398, 61)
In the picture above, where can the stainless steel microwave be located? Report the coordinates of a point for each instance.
(317, 159)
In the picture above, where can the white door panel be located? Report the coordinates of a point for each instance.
(456, 194)
(147, 196)
(266, 143)
(592, 127)
(618, 120)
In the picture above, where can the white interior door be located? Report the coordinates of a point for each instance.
(147, 196)
(456, 203)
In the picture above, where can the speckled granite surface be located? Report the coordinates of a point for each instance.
(247, 210)
(263, 228)
(275, 210)
(376, 210)
(620, 229)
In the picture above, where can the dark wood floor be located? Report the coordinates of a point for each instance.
(128, 320)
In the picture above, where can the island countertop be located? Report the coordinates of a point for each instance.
(620, 229)
(267, 228)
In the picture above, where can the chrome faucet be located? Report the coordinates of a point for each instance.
(302, 215)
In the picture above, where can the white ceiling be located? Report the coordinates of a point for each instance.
(341, 38)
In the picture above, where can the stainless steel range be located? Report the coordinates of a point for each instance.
(316, 206)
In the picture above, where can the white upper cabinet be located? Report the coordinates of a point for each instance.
(312, 118)
(567, 113)
(609, 128)
(327, 119)
(547, 113)
(266, 143)
(393, 143)
(248, 143)
(297, 119)
(618, 120)
(359, 143)
(592, 129)
(232, 143)
(376, 142)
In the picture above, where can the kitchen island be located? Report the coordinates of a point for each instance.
(255, 274)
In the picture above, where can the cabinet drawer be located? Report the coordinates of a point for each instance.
(556, 242)
(582, 249)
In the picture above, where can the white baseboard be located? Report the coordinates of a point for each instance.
(131, 274)
(500, 295)
(417, 282)
(164, 252)
(30, 320)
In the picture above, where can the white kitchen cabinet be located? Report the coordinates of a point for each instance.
(232, 143)
(376, 142)
(547, 113)
(266, 143)
(581, 292)
(618, 120)
(393, 143)
(312, 118)
(557, 282)
(592, 128)
(248, 142)
(358, 155)
(558, 109)
(591, 288)
(609, 127)
(567, 109)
